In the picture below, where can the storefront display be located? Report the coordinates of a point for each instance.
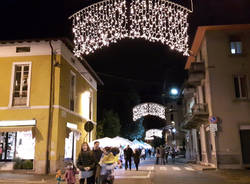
(16, 145)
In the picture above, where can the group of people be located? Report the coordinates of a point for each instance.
(97, 166)
(94, 166)
(128, 154)
(162, 154)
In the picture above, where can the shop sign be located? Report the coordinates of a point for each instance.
(213, 119)
(213, 127)
(18, 123)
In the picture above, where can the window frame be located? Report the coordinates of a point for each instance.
(234, 39)
(238, 76)
(74, 95)
(14, 64)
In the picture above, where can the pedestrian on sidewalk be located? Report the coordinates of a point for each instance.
(158, 155)
(70, 174)
(149, 153)
(173, 154)
(137, 155)
(166, 153)
(86, 163)
(162, 155)
(97, 154)
(128, 153)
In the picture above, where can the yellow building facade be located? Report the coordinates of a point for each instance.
(47, 95)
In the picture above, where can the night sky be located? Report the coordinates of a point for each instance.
(129, 64)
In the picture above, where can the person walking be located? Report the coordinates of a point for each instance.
(97, 154)
(162, 155)
(86, 163)
(158, 155)
(128, 153)
(173, 154)
(149, 153)
(166, 153)
(137, 155)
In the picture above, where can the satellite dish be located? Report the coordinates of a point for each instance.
(89, 126)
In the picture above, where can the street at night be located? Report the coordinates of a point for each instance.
(149, 173)
(125, 91)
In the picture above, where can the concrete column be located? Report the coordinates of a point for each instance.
(195, 150)
(213, 152)
(203, 145)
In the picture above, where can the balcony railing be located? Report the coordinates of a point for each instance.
(200, 108)
(196, 73)
(199, 115)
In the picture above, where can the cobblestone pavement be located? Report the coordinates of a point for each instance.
(149, 173)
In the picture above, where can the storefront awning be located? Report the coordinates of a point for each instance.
(19, 129)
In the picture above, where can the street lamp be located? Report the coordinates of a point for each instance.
(174, 92)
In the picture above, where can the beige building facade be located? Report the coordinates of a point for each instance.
(216, 97)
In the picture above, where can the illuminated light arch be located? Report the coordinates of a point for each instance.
(108, 21)
(145, 109)
(150, 134)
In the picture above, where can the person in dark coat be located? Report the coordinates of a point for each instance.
(86, 163)
(137, 155)
(97, 154)
(128, 153)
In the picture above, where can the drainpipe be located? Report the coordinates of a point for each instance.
(51, 102)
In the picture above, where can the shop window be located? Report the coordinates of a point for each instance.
(240, 86)
(72, 91)
(21, 84)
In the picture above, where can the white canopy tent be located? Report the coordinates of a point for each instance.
(113, 142)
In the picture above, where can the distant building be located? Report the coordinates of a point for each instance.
(47, 95)
(175, 135)
(216, 97)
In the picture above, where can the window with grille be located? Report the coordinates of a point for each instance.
(21, 84)
(72, 91)
(240, 86)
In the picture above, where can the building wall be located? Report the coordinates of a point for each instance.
(38, 108)
(39, 99)
(232, 112)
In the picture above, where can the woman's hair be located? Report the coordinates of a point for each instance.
(115, 150)
(88, 148)
(107, 149)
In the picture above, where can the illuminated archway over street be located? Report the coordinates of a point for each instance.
(108, 21)
(146, 109)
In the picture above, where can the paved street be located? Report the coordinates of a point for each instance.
(149, 173)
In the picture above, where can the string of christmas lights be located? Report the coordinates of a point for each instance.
(107, 21)
(145, 109)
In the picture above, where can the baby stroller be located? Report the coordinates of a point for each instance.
(107, 174)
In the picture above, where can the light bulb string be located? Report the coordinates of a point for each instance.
(105, 1)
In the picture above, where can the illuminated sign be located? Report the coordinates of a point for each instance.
(18, 123)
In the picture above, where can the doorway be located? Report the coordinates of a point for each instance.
(245, 145)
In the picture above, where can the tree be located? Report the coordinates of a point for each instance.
(109, 126)
(135, 130)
